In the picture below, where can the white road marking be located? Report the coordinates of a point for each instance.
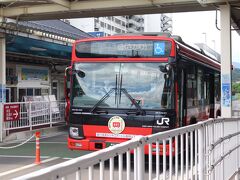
(33, 140)
(67, 158)
(14, 156)
(26, 167)
(48, 142)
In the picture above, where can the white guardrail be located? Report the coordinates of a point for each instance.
(207, 150)
(22, 115)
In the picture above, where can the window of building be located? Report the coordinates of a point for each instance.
(118, 30)
(22, 93)
(11, 77)
(32, 92)
(9, 71)
(117, 21)
(96, 21)
(55, 89)
(29, 92)
(45, 92)
(38, 92)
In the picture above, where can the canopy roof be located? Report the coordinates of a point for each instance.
(66, 9)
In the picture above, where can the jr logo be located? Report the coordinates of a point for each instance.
(163, 121)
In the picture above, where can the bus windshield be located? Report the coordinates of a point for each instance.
(122, 85)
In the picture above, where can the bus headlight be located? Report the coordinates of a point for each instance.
(73, 131)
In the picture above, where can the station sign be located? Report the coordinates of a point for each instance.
(11, 112)
(97, 33)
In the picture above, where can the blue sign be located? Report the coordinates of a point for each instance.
(2, 93)
(97, 34)
(159, 48)
(34, 74)
(226, 96)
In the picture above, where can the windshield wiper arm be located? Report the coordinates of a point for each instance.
(107, 95)
(133, 101)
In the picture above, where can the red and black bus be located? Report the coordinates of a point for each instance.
(129, 85)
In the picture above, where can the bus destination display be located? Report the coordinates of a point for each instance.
(123, 48)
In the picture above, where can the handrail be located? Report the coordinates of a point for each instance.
(83, 161)
(194, 140)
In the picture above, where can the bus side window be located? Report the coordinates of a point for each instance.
(191, 87)
(200, 87)
(217, 87)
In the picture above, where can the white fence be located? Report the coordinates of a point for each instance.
(33, 114)
(207, 150)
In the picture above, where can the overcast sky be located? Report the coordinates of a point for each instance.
(198, 27)
(194, 27)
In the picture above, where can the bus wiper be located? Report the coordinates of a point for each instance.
(140, 111)
(107, 95)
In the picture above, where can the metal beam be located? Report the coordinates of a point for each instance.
(67, 7)
(63, 3)
(114, 12)
(216, 1)
(87, 5)
(2, 81)
(14, 1)
(18, 11)
(7, 1)
(226, 61)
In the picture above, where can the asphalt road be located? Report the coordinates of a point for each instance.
(20, 160)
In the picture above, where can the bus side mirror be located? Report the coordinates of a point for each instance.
(162, 68)
(165, 68)
(81, 74)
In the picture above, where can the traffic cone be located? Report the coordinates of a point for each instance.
(37, 160)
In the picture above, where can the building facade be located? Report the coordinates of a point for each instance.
(37, 54)
(158, 23)
(106, 26)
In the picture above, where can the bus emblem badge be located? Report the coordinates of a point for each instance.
(163, 121)
(116, 124)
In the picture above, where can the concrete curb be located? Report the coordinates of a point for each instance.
(45, 132)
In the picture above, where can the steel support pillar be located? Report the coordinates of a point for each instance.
(226, 61)
(2, 80)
